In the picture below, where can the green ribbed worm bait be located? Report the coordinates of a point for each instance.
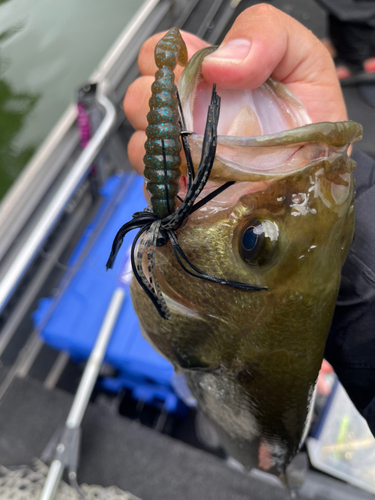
(159, 226)
(162, 159)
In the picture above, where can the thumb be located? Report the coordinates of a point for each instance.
(264, 42)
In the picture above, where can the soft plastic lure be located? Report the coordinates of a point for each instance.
(162, 160)
(159, 224)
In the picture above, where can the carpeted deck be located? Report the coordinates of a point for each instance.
(121, 452)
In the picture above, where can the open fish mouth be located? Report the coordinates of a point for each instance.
(264, 132)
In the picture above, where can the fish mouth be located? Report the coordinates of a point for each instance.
(263, 132)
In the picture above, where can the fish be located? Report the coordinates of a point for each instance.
(284, 224)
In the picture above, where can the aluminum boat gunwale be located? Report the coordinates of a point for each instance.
(39, 174)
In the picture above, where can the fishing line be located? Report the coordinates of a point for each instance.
(185, 144)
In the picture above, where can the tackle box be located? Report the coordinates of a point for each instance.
(71, 321)
(341, 444)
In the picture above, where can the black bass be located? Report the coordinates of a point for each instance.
(252, 357)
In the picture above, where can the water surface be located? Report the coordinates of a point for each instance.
(47, 49)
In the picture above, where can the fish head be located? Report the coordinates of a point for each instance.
(252, 358)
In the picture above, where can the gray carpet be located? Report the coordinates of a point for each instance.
(117, 451)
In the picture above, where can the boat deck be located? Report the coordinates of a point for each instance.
(122, 452)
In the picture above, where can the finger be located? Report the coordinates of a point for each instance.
(136, 151)
(265, 42)
(146, 61)
(136, 100)
(146, 193)
(262, 42)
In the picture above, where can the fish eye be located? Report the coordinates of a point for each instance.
(258, 241)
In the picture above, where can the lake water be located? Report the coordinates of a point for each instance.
(47, 50)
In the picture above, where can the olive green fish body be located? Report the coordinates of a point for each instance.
(252, 359)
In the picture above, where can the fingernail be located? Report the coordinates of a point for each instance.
(235, 50)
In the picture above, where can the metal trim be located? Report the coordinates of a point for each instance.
(18, 204)
(55, 208)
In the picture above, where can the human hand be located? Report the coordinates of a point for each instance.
(262, 42)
